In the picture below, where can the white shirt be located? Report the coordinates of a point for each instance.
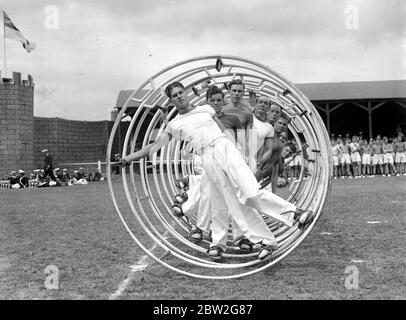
(197, 127)
(263, 130)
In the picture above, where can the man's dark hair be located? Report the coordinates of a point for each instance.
(286, 117)
(172, 85)
(237, 82)
(275, 104)
(212, 90)
(292, 146)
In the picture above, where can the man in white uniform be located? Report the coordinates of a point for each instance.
(230, 179)
(355, 156)
(335, 149)
(198, 202)
(366, 150)
(399, 147)
(377, 156)
(388, 159)
(345, 158)
(260, 139)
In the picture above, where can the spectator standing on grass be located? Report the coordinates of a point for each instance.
(377, 156)
(366, 150)
(340, 149)
(355, 156)
(388, 161)
(345, 158)
(335, 149)
(48, 167)
(399, 147)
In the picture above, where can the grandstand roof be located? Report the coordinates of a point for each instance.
(123, 95)
(362, 90)
(328, 91)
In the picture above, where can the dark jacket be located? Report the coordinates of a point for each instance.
(48, 162)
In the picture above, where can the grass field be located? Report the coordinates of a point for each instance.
(77, 230)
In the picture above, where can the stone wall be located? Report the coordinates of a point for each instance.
(16, 123)
(23, 136)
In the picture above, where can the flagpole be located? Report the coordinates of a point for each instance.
(4, 43)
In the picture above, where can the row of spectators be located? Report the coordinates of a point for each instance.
(18, 179)
(48, 176)
(357, 157)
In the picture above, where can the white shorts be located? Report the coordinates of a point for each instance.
(388, 158)
(297, 161)
(345, 158)
(335, 161)
(355, 157)
(366, 159)
(400, 157)
(377, 159)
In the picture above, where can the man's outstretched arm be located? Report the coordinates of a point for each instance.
(150, 149)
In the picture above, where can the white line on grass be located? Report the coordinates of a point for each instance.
(357, 260)
(140, 265)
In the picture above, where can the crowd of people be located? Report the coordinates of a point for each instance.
(49, 177)
(357, 157)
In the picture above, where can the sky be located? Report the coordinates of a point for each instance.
(87, 51)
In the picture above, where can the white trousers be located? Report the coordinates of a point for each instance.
(234, 193)
(199, 203)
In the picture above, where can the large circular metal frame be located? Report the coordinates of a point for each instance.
(150, 194)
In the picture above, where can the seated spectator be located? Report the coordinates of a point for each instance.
(14, 180)
(98, 176)
(77, 178)
(58, 174)
(82, 173)
(65, 176)
(23, 179)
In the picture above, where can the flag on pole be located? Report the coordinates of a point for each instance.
(12, 32)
